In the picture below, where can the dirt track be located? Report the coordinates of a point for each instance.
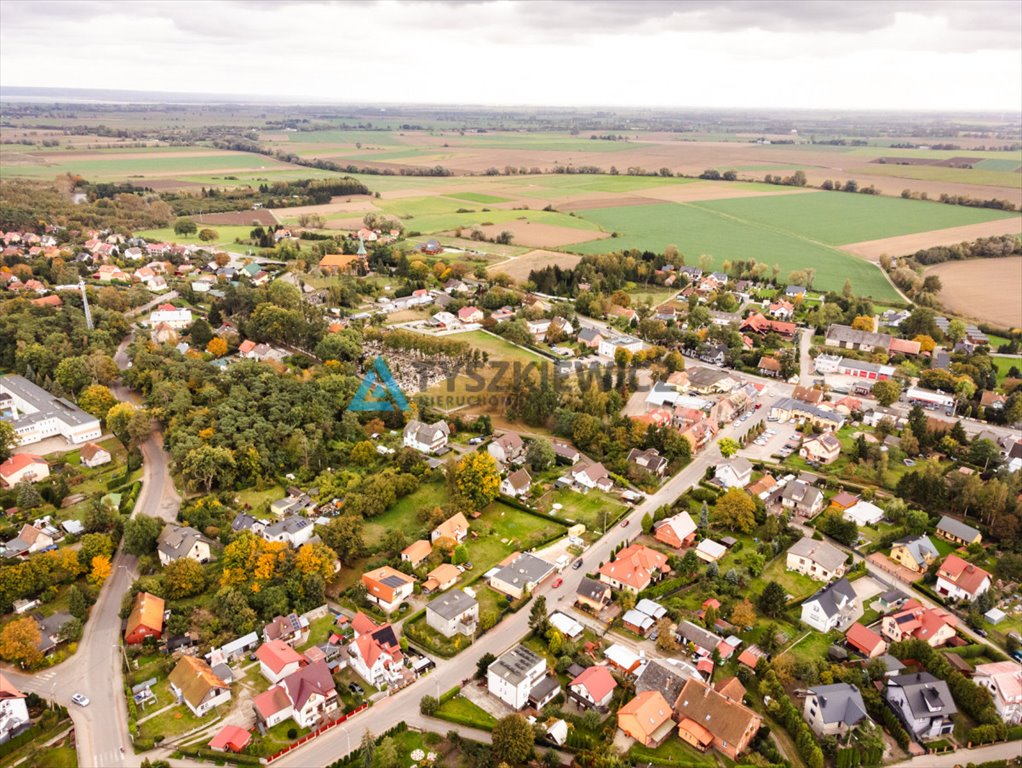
(984, 289)
(906, 244)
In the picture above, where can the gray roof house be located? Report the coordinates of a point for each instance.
(819, 560)
(181, 541)
(836, 606)
(453, 612)
(833, 710)
(956, 531)
(923, 703)
(658, 676)
(702, 639)
(294, 530)
(521, 575)
(802, 497)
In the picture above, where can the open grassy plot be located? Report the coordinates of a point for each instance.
(976, 176)
(461, 710)
(838, 218)
(696, 229)
(795, 584)
(403, 516)
(497, 348)
(673, 752)
(591, 509)
(564, 185)
(478, 197)
(226, 235)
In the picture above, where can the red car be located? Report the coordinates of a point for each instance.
(624, 524)
(758, 406)
(557, 583)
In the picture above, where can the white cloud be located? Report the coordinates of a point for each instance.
(898, 55)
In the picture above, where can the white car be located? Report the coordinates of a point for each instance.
(80, 699)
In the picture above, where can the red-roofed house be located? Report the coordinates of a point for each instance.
(377, 663)
(757, 323)
(961, 580)
(904, 347)
(230, 737)
(470, 315)
(678, 531)
(273, 706)
(277, 660)
(23, 466)
(865, 641)
(312, 693)
(751, 655)
(634, 568)
(933, 625)
(593, 688)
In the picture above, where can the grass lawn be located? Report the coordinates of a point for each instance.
(403, 515)
(585, 508)
(57, 757)
(319, 631)
(497, 348)
(673, 752)
(461, 710)
(226, 234)
(698, 228)
(259, 501)
(797, 585)
(522, 530)
(275, 739)
(813, 646)
(433, 642)
(944, 548)
(1005, 364)
(176, 721)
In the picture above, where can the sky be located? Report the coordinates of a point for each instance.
(900, 54)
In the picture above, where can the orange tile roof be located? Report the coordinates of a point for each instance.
(276, 654)
(146, 611)
(634, 566)
(644, 714)
(417, 551)
(863, 638)
(962, 574)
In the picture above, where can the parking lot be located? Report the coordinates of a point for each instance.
(770, 442)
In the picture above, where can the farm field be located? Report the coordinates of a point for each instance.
(698, 230)
(226, 235)
(906, 244)
(134, 165)
(984, 289)
(980, 176)
(519, 267)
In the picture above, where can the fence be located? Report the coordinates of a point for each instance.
(319, 731)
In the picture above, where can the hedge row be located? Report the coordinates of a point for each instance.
(203, 753)
(791, 720)
(356, 755)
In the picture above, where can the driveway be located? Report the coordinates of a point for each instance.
(867, 587)
(774, 443)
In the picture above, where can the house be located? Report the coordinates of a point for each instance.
(789, 408)
(178, 319)
(387, 587)
(589, 476)
(507, 449)
(609, 345)
(865, 641)
(277, 660)
(593, 689)
(914, 552)
(517, 484)
(705, 381)
(634, 568)
(13, 710)
(795, 291)
(710, 551)
(312, 693)
(592, 595)
(416, 552)
(272, 706)
(862, 512)
(565, 453)
(244, 522)
(707, 718)
(763, 487)
(470, 314)
(659, 675)
(455, 528)
(92, 455)
(543, 692)
(453, 613)
(23, 466)
(769, 366)
(833, 607)
(647, 718)
(803, 498)
(590, 337)
(862, 369)
(145, 619)
(177, 542)
(704, 641)
(521, 575)
(819, 560)
(781, 309)
(566, 625)
(231, 738)
(833, 710)
(824, 449)
(444, 576)
(846, 337)
(678, 531)
(958, 532)
(714, 354)
(426, 438)
(734, 473)
(36, 415)
(376, 656)
(30, 539)
(757, 323)
(638, 622)
(193, 682)
(961, 580)
(1004, 681)
(649, 460)
(914, 621)
(923, 704)
(512, 676)
(292, 629)
(294, 531)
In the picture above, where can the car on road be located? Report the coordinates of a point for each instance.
(758, 406)
(624, 524)
(557, 582)
(356, 689)
(80, 699)
(577, 564)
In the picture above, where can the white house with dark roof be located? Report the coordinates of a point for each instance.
(734, 473)
(923, 704)
(36, 414)
(426, 438)
(836, 606)
(507, 449)
(833, 710)
(177, 542)
(517, 484)
(514, 674)
(294, 531)
(818, 560)
(453, 613)
(594, 475)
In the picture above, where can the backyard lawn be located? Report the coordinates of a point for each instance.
(403, 515)
(461, 710)
(674, 752)
(585, 508)
(797, 585)
(176, 721)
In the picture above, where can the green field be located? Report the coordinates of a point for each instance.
(991, 164)
(698, 230)
(226, 235)
(115, 167)
(978, 176)
(837, 218)
(476, 197)
(565, 185)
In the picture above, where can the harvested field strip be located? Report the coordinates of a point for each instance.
(984, 289)
(836, 218)
(519, 267)
(906, 244)
(697, 230)
(115, 167)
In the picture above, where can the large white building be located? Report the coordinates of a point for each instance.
(36, 415)
(177, 319)
(513, 675)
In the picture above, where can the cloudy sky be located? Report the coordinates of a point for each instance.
(900, 54)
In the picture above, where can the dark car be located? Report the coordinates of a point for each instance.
(356, 689)
(577, 564)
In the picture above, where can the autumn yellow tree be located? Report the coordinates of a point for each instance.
(926, 343)
(100, 570)
(863, 323)
(217, 347)
(315, 559)
(19, 642)
(477, 479)
(743, 614)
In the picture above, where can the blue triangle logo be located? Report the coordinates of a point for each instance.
(379, 391)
